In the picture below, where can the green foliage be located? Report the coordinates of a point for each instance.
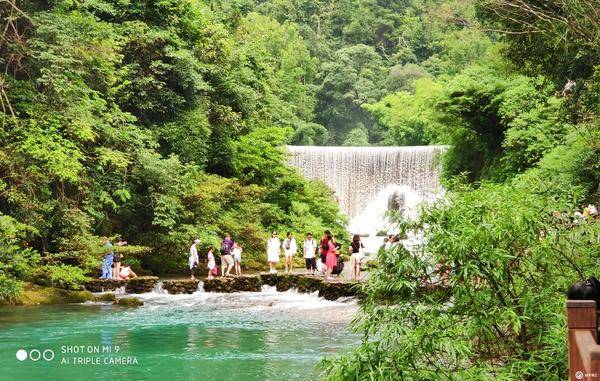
(498, 126)
(16, 260)
(500, 313)
(353, 76)
(124, 113)
(61, 276)
(357, 137)
(410, 119)
(10, 289)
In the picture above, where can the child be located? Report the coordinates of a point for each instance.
(210, 263)
(237, 258)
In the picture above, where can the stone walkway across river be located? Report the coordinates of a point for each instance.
(330, 290)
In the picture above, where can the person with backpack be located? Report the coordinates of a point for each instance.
(310, 249)
(289, 249)
(226, 258)
(273, 252)
(193, 260)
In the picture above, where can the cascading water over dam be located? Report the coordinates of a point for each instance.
(368, 181)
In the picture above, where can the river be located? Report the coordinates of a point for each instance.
(203, 336)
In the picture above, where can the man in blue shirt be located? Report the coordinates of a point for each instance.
(108, 259)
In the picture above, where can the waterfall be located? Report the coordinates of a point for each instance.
(368, 181)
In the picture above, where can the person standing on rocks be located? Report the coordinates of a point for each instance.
(355, 249)
(117, 257)
(237, 258)
(193, 260)
(273, 252)
(289, 249)
(226, 258)
(108, 259)
(324, 247)
(310, 249)
(330, 257)
(210, 263)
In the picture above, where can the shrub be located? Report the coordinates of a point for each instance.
(61, 276)
(10, 289)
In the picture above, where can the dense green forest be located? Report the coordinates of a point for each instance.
(514, 90)
(164, 120)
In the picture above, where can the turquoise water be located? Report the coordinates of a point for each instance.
(203, 336)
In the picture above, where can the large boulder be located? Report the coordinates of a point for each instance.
(141, 284)
(103, 285)
(219, 285)
(34, 294)
(105, 297)
(183, 286)
(337, 289)
(251, 283)
(309, 284)
(286, 282)
(129, 301)
(269, 279)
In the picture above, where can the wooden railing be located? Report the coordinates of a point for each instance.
(584, 351)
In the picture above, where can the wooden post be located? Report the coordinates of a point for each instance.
(584, 352)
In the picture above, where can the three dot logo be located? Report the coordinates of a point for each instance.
(35, 355)
(579, 375)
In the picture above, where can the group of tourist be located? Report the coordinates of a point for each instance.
(328, 261)
(111, 265)
(231, 258)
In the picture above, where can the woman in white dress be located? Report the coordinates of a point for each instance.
(273, 252)
(193, 258)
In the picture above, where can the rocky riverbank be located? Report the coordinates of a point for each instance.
(137, 285)
(329, 290)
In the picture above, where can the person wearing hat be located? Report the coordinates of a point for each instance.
(193, 258)
(273, 252)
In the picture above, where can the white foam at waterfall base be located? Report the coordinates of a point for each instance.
(373, 218)
(268, 304)
(158, 288)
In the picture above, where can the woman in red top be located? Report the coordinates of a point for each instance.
(331, 256)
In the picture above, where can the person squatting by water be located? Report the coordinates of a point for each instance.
(310, 249)
(126, 272)
(289, 249)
